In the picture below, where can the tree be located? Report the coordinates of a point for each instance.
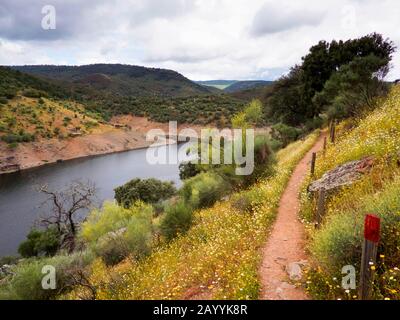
(293, 98)
(40, 242)
(149, 191)
(354, 87)
(65, 207)
(285, 103)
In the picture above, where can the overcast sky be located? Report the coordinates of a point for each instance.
(202, 39)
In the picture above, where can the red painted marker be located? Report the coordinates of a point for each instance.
(372, 228)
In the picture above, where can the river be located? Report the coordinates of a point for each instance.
(21, 203)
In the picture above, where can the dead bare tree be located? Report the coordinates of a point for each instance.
(65, 205)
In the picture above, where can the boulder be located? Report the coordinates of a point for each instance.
(343, 175)
(295, 270)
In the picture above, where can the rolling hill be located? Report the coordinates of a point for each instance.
(104, 91)
(118, 79)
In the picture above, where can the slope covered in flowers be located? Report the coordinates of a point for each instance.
(339, 240)
(218, 258)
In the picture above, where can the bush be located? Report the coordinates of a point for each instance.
(275, 144)
(313, 124)
(26, 284)
(15, 138)
(177, 219)
(149, 191)
(188, 170)
(9, 260)
(115, 232)
(39, 242)
(204, 190)
(33, 93)
(284, 133)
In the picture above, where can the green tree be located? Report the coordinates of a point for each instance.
(354, 87)
(293, 101)
(40, 242)
(149, 191)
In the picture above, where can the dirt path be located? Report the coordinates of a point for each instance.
(286, 242)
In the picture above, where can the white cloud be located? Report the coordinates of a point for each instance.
(203, 39)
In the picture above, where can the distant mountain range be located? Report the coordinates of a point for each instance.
(231, 86)
(118, 79)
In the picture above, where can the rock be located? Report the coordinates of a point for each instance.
(294, 271)
(345, 174)
(6, 270)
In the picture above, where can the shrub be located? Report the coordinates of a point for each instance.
(188, 170)
(111, 250)
(15, 138)
(149, 191)
(313, 124)
(204, 190)
(284, 133)
(39, 242)
(8, 260)
(275, 144)
(115, 232)
(33, 93)
(26, 284)
(177, 219)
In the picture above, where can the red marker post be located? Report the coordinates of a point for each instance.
(372, 228)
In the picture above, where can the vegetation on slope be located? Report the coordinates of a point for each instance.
(109, 90)
(338, 242)
(25, 119)
(198, 110)
(118, 79)
(217, 258)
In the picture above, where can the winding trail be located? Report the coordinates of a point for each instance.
(285, 244)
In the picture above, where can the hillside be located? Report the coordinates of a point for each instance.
(160, 95)
(118, 79)
(32, 108)
(373, 140)
(244, 85)
(13, 82)
(258, 92)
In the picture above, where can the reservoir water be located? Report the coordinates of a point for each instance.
(21, 203)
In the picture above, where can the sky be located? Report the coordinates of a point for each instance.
(202, 39)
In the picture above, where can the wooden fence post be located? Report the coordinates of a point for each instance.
(325, 144)
(313, 160)
(369, 253)
(333, 131)
(320, 207)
